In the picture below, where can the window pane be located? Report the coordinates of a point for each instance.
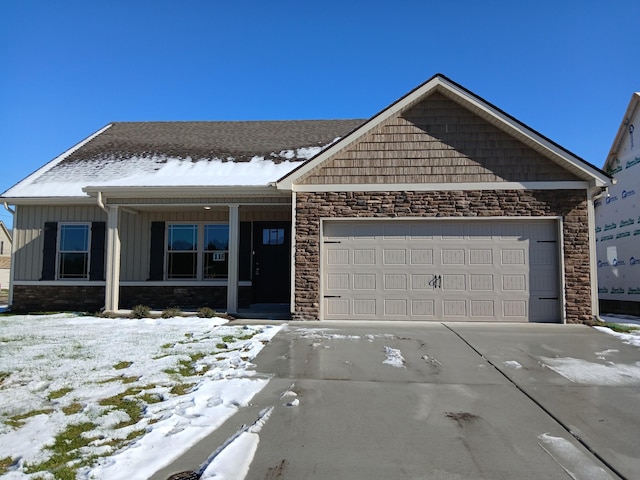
(216, 265)
(273, 236)
(74, 238)
(216, 237)
(183, 237)
(182, 265)
(73, 265)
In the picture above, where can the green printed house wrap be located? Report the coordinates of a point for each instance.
(617, 213)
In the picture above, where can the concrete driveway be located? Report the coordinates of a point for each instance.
(442, 401)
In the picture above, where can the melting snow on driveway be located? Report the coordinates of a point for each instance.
(129, 396)
(599, 374)
(394, 357)
(591, 373)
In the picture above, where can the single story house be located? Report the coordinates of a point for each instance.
(439, 207)
(618, 220)
(5, 256)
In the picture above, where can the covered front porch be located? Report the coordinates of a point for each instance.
(229, 253)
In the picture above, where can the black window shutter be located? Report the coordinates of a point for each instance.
(156, 267)
(245, 251)
(49, 251)
(96, 269)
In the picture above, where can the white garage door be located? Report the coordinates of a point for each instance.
(484, 270)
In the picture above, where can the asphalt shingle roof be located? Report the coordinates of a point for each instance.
(240, 140)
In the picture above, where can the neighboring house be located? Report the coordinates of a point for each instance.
(5, 256)
(618, 220)
(440, 207)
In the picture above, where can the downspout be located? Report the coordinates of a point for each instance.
(9, 209)
(593, 260)
(101, 203)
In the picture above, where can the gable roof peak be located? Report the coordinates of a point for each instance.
(475, 104)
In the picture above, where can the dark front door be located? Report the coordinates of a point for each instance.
(271, 262)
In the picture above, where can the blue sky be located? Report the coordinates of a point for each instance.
(565, 68)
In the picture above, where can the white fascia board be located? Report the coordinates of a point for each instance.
(183, 191)
(59, 159)
(442, 187)
(49, 200)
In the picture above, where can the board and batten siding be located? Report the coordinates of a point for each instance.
(29, 238)
(135, 232)
(436, 141)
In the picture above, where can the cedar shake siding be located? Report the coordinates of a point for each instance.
(570, 205)
(436, 141)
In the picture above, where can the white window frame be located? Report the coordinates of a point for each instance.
(205, 250)
(60, 252)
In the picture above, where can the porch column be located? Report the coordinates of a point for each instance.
(112, 286)
(234, 251)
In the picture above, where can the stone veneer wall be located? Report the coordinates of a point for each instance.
(47, 298)
(39, 298)
(161, 297)
(571, 205)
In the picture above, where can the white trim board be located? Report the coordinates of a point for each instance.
(435, 187)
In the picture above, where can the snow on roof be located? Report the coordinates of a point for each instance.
(156, 154)
(69, 180)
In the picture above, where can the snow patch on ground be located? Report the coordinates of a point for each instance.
(234, 461)
(394, 357)
(591, 373)
(188, 374)
(630, 338)
(512, 364)
(574, 461)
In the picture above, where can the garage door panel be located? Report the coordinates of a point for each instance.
(364, 231)
(543, 254)
(513, 256)
(364, 281)
(364, 256)
(512, 230)
(454, 282)
(453, 256)
(484, 270)
(337, 281)
(483, 256)
(514, 309)
(422, 307)
(423, 231)
(515, 282)
(482, 308)
(545, 310)
(364, 306)
(454, 308)
(396, 232)
(422, 281)
(480, 230)
(337, 306)
(481, 282)
(452, 231)
(421, 256)
(337, 256)
(394, 256)
(395, 281)
(395, 307)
